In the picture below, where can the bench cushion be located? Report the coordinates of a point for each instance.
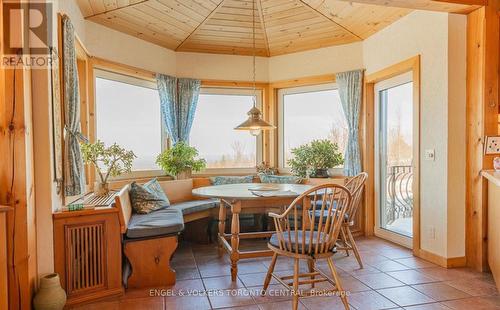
(193, 206)
(157, 223)
(223, 180)
(279, 179)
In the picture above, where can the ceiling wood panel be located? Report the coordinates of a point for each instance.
(361, 19)
(428, 5)
(281, 26)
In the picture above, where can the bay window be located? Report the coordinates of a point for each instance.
(128, 113)
(309, 113)
(218, 112)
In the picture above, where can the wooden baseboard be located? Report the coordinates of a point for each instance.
(451, 262)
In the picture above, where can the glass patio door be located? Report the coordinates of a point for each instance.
(394, 159)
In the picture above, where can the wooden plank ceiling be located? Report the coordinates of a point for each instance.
(225, 26)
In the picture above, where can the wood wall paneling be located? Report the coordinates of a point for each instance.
(482, 112)
(16, 184)
(4, 285)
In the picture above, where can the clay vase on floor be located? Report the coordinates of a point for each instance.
(50, 295)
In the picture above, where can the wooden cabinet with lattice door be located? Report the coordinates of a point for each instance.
(88, 254)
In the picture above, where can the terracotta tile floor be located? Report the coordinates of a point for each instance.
(392, 279)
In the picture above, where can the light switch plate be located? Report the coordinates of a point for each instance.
(492, 145)
(430, 155)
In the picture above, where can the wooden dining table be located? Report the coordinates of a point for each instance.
(249, 198)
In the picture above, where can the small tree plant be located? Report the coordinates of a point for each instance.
(108, 161)
(315, 158)
(179, 159)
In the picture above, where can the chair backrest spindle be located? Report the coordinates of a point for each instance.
(333, 202)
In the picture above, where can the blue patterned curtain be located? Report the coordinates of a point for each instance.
(350, 88)
(74, 174)
(178, 99)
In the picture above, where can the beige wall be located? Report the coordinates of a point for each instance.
(221, 67)
(457, 71)
(316, 62)
(440, 90)
(113, 45)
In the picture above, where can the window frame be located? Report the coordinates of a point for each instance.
(281, 119)
(243, 91)
(139, 82)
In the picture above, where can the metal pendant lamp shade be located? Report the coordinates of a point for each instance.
(255, 124)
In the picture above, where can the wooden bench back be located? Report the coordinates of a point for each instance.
(124, 206)
(178, 190)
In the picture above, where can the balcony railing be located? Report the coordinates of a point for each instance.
(399, 193)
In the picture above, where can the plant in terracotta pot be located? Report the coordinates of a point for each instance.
(315, 158)
(180, 160)
(109, 162)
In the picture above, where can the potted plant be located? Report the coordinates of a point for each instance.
(180, 160)
(315, 158)
(108, 161)
(265, 168)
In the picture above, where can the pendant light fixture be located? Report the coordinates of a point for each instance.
(255, 124)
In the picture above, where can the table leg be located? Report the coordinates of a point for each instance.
(235, 239)
(222, 225)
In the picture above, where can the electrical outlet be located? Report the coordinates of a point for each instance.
(430, 155)
(432, 233)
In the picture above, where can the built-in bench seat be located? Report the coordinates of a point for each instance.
(194, 206)
(149, 240)
(157, 223)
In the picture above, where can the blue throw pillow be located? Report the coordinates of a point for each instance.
(144, 200)
(154, 186)
(222, 180)
(279, 179)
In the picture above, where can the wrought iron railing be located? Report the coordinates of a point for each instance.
(399, 193)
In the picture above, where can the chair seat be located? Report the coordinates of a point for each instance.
(274, 241)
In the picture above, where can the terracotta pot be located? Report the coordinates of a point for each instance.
(186, 174)
(101, 189)
(50, 295)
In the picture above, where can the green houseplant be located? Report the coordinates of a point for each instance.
(315, 158)
(180, 160)
(108, 161)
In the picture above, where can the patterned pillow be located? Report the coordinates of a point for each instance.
(279, 179)
(155, 187)
(144, 200)
(222, 180)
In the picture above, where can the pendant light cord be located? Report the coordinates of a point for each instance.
(254, 56)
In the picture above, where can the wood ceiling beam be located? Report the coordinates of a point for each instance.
(117, 9)
(465, 2)
(199, 26)
(462, 6)
(263, 26)
(312, 9)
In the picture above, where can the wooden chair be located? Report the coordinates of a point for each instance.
(347, 243)
(297, 237)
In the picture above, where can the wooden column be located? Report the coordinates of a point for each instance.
(16, 184)
(482, 109)
(4, 289)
